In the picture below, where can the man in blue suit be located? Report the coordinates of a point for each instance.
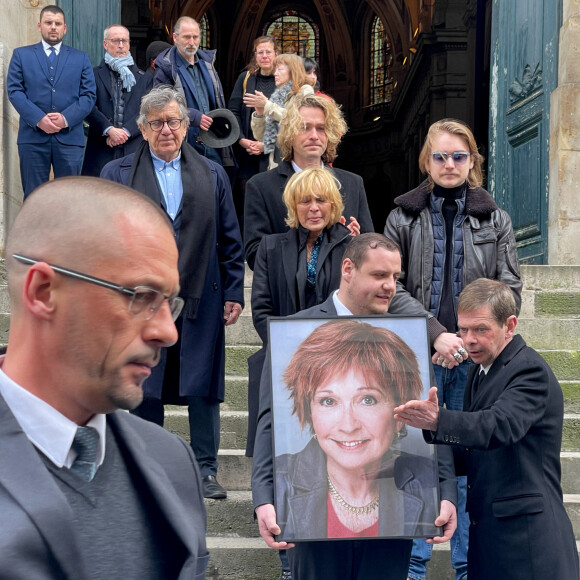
(192, 72)
(52, 87)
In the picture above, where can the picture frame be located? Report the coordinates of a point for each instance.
(344, 468)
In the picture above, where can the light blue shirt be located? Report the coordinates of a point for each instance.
(47, 429)
(169, 179)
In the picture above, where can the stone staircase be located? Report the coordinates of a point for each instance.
(549, 321)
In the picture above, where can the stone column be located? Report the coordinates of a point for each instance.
(564, 202)
(20, 29)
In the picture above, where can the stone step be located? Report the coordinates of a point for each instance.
(564, 363)
(242, 332)
(544, 278)
(234, 516)
(233, 432)
(236, 394)
(571, 390)
(571, 432)
(547, 334)
(236, 359)
(550, 334)
(250, 559)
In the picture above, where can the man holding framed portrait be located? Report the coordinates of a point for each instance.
(370, 269)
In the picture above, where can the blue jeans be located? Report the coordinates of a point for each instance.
(450, 390)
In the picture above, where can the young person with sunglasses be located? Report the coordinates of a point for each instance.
(450, 232)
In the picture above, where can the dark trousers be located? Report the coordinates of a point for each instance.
(204, 412)
(204, 427)
(36, 160)
(350, 560)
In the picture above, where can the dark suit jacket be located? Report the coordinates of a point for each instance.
(37, 536)
(34, 93)
(98, 153)
(265, 212)
(510, 433)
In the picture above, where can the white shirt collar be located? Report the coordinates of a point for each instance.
(298, 169)
(47, 47)
(341, 309)
(484, 369)
(46, 428)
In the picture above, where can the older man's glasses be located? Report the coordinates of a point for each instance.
(458, 157)
(144, 302)
(118, 41)
(157, 125)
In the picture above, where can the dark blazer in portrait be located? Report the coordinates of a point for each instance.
(404, 485)
(98, 153)
(38, 538)
(265, 212)
(510, 435)
(34, 93)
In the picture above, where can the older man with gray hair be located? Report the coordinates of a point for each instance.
(113, 131)
(195, 193)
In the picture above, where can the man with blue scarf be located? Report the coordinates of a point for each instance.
(113, 131)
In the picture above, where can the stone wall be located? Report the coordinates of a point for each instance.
(20, 29)
(564, 209)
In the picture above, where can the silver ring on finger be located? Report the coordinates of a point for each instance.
(444, 364)
(440, 360)
(457, 357)
(462, 351)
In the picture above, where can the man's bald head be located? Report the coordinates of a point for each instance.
(75, 221)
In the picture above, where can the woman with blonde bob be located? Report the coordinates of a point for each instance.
(299, 268)
(291, 80)
(345, 379)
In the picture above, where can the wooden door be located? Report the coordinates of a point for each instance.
(86, 20)
(524, 72)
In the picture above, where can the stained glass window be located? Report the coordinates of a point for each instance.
(294, 33)
(381, 81)
(205, 42)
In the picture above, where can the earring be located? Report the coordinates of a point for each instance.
(402, 432)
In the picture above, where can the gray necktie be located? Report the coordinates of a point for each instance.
(86, 443)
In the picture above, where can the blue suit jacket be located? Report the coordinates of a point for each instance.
(34, 92)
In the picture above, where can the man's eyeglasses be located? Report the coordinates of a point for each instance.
(458, 157)
(144, 301)
(118, 41)
(157, 125)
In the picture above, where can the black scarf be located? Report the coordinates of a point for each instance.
(197, 231)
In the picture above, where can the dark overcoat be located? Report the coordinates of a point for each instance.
(202, 362)
(98, 153)
(510, 435)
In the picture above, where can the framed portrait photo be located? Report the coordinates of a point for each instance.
(344, 468)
